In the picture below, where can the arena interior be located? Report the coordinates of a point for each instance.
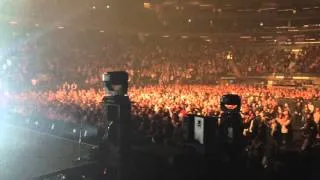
(182, 56)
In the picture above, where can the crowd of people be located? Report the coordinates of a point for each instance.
(159, 111)
(50, 62)
(55, 74)
(60, 79)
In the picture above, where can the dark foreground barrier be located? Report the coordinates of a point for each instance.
(154, 163)
(77, 173)
(55, 127)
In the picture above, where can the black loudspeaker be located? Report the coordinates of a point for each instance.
(210, 134)
(188, 128)
(202, 131)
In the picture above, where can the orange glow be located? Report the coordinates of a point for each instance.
(231, 106)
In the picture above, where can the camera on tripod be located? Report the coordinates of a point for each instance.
(116, 83)
(208, 133)
(230, 103)
(231, 126)
(114, 148)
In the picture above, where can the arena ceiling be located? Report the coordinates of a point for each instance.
(248, 20)
(239, 4)
(252, 20)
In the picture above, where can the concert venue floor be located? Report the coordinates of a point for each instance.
(25, 153)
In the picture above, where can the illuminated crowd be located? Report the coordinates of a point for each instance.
(52, 61)
(156, 108)
(168, 79)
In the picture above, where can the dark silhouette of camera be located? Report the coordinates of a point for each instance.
(230, 103)
(230, 130)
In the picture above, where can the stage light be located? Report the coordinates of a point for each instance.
(108, 6)
(36, 123)
(9, 62)
(147, 5)
(74, 130)
(13, 22)
(211, 22)
(61, 176)
(52, 127)
(229, 56)
(6, 93)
